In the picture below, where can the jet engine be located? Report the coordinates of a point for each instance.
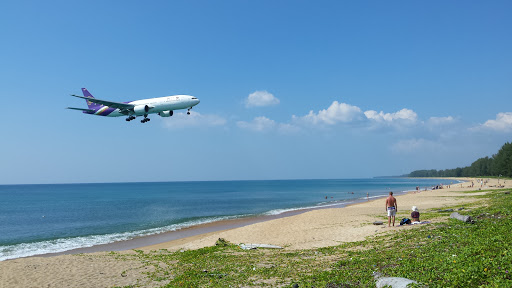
(166, 113)
(141, 109)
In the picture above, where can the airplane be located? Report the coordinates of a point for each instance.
(163, 106)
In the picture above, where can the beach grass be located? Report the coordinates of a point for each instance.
(449, 253)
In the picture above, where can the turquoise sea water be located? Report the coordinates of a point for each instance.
(39, 219)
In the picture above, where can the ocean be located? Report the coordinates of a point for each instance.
(41, 219)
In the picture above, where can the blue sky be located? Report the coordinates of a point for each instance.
(288, 89)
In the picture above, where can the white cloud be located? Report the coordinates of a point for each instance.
(182, 120)
(337, 112)
(260, 99)
(503, 122)
(440, 120)
(257, 124)
(404, 115)
(343, 113)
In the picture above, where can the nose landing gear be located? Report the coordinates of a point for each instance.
(188, 111)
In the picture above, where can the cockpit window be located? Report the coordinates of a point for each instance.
(194, 98)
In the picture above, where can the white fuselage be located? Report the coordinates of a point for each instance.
(160, 104)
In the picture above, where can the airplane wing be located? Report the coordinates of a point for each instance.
(81, 109)
(118, 105)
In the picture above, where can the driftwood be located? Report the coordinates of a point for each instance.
(463, 218)
(255, 246)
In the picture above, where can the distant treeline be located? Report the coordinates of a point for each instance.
(498, 164)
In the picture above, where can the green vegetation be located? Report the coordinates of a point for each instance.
(498, 164)
(446, 254)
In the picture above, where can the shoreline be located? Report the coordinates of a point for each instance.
(176, 243)
(200, 241)
(200, 230)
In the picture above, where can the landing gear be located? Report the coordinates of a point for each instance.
(188, 111)
(130, 118)
(146, 119)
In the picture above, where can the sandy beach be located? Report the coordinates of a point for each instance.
(312, 229)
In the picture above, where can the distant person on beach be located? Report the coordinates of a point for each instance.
(367, 196)
(391, 208)
(415, 214)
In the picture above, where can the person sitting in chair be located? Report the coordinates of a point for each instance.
(415, 214)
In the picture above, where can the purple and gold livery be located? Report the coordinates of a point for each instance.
(163, 106)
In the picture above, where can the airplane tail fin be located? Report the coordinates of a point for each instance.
(91, 105)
